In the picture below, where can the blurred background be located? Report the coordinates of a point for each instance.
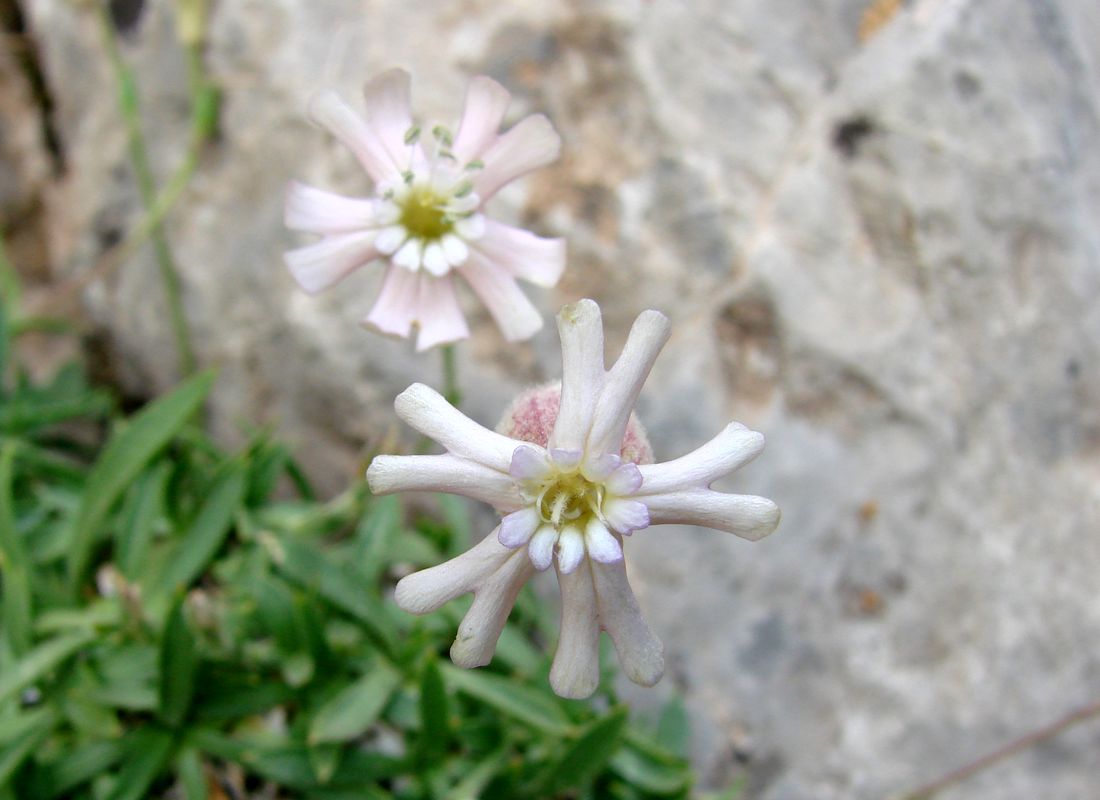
(875, 225)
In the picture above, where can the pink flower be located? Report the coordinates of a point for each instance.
(426, 215)
(568, 492)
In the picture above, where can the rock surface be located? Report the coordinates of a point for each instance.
(884, 253)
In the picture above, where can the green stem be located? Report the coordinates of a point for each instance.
(450, 376)
(139, 158)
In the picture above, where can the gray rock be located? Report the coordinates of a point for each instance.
(882, 254)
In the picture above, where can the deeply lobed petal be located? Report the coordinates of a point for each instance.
(514, 314)
(389, 113)
(576, 669)
(486, 103)
(395, 309)
(493, 601)
(314, 210)
(530, 144)
(425, 591)
(747, 516)
(318, 266)
(438, 313)
(729, 450)
(333, 114)
(532, 258)
(580, 327)
(443, 473)
(640, 651)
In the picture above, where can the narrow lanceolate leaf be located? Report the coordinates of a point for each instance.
(475, 780)
(135, 534)
(178, 663)
(435, 733)
(192, 776)
(17, 609)
(587, 755)
(123, 459)
(39, 661)
(516, 701)
(349, 714)
(207, 532)
(380, 525)
(14, 753)
(147, 754)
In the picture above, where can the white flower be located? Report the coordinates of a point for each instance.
(425, 217)
(566, 491)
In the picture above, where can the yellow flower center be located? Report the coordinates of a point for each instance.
(569, 499)
(423, 215)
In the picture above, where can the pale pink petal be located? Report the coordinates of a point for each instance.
(394, 311)
(626, 516)
(389, 113)
(625, 380)
(438, 313)
(641, 654)
(747, 516)
(528, 463)
(541, 548)
(486, 102)
(576, 669)
(598, 469)
(570, 549)
(517, 318)
(318, 266)
(429, 589)
(527, 256)
(443, 473)
(435, 262)
(517, 528)
(732, 448)
(332, 113)
(391, 238)
(409, 254)
(471, 228)
(530, 144)
(625, 480)
(565, 459)
(314, 210)
(425, 409)
(493, 600)
(580, 327)
(601, 545)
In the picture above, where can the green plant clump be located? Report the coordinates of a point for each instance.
(172, 626)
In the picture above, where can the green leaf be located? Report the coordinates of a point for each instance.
(191, 775)
(13, 754)
(123, 458)
(17, 599)
(135, 534)
(325, 758)
(71, 768)
(178, 663)
(39, 661)
(352, 711)
(673, 727)
(519, 702)
(207, 531)
(649, 774)
(375, 533)
(147, 754)
(435, 727)
(476, 779)
(586, 756)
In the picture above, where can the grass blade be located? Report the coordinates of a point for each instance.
(178, 664)
(347, 715)
(517, 701)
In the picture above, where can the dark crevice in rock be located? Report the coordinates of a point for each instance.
(14, 26)
(850, 134)
(126, 15)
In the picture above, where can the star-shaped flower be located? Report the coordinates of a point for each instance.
(426, 216)
(568, 491)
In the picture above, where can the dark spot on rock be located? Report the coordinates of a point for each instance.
(107, 237)
(1073, 369)
(967, 84)
(849, 135)
(126, 15)
(750, 347)
(768, 642)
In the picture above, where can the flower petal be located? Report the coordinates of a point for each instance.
(438, 313)
(395, 309)
(527, 256)
(517, 318)
(390, 239)
(443, 473)
(640, 652)
(528, 463)
(570, 549)
(486, 102)
(428, 412)
(625, 480)
(493, 600)
(389, 113)
(601, 545)
(541, 548)
(530, 144)
(625, 380)
(427, 590)
(517, 528)
(747, 516)
(455, 250)
(732, 448)
(625, 516)
(435, 262)
(409, 254)
(581, 330)
(314, 210)
(333, 114)
(576, 669)
(600, 468)
(565, 459)
(318, 266)
(471, 228)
